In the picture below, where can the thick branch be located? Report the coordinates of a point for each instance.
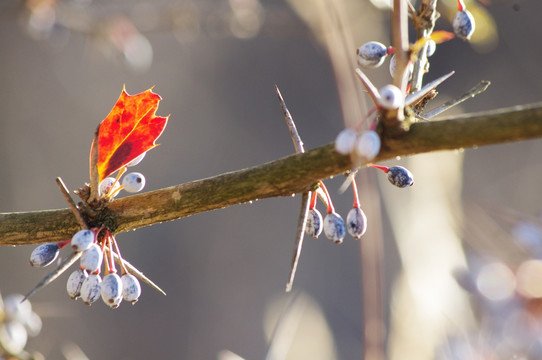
(293, 174)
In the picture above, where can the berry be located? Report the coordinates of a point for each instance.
(390, 97)
(13, 338)
(33, 324)
(91, 288)
(314, 223)
(92, 258)
(82, 240)
(400, 177)
(44, 255)
(463, 24)
(368, 144)
(136, 160)
(133, 182)
(334, 227)
(356, 222)
(111, 290)
(345, 141)
(15, 310)
(74, 283)
(431, 47)
(107, 184)
(131, 289)
(393, 66)
(372, 54)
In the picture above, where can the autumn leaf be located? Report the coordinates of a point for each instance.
(130, 129)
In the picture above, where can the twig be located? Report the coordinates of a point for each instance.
(293, 174)
(302, 219)
(134, 271)
(64, 265)
(477, 89)
(64, 190)
(94, 176)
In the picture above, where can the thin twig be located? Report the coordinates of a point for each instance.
(298, 144)
(477, 89)
(64, 190)
(134, 271)
(94, 175)
(299, 236)
(64, 265)
(302, 219)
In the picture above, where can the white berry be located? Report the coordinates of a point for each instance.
(133, 182)
(431, 47)
(44, 255)
(107, 184)
(334, 227)
(91, 289)
(390, 97)
(74, 283)
(91, 259)
(345, 141)
(356, 222)
(136, 160)
(13, 337)
(368, 144)
(82, 240)
(372, 54)
(131, 289)
(15, 310)
(313, 227)
(393, 66)
(111, 290)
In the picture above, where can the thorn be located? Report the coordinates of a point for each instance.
(63, 266)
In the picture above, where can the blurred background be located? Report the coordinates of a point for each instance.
(471, 215)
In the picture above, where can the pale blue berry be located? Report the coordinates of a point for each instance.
(82, 240)
(131, 289)
(334, 227)
(74, 283)
(91, 289)
(313, 227)
(356, 222)
(111, 290)
(133, 182)
(400, 177)
(44, 255)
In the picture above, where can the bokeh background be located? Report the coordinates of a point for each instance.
(62, 67)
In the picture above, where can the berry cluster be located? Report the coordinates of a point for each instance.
(97, 246)
(17, 323)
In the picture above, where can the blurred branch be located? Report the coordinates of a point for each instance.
(293, 174)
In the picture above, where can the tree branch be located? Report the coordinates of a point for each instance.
(293, 174)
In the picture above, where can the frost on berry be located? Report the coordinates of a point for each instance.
(107, 184)
(390, 97)
(131, 289)
(82, 240)
(372, 54)
(345, 141)
(133, 182)
(356, 222)
(463, 24)
(91, 259)
(111, 290)
(44, 255)
(91, 289)
(74, 283)
(368, 144)
(334, 227)
(314, 223)
(136, 161)
(400, 177)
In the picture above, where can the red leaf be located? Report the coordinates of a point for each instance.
(130, 129)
